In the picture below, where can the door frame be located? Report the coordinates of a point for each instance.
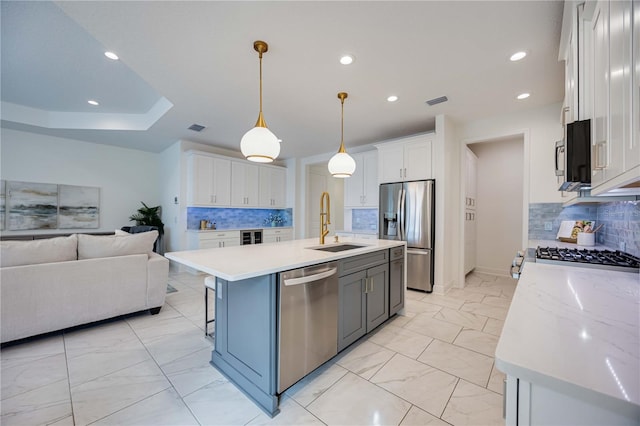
(526, 138)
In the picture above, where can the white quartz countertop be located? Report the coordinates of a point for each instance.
(248, 261)
(574, 329)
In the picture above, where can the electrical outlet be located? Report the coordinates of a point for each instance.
(548, 226)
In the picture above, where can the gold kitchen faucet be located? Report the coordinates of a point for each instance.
(325, 216)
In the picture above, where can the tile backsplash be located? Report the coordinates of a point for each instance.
(364, 220)
(541, 213)
(621, 228)
(620, 220)
(229, 218)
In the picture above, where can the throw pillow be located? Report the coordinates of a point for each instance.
(92, 246)
(121, 233)
(47, 250)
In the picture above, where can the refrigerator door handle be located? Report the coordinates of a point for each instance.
(401, 218)
(399, 215)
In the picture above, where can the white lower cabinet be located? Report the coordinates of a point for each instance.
(529, 404)
(213, 239)
(274, 235)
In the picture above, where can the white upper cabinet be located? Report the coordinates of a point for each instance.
(217, 181)
(209, 182)
(272, 186)
(405, 159)
(245, 185)
(615, 156)
(600, 120)
(632, 151)
(361, 189)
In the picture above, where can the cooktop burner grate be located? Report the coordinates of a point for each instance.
(608, 259)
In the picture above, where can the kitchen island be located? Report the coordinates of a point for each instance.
(368, 285)
(570, 347)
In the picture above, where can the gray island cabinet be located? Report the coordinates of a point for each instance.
(247, 302)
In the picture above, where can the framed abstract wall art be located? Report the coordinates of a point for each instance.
(79, 207)
(31, 205)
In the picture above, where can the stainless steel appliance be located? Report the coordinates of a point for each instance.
(251, 236)
(307, 321)
(407, 212)
(573, 157)
(586, 258)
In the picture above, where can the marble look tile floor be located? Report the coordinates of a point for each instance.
(434, 365)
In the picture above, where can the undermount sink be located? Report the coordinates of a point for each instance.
(337, 247)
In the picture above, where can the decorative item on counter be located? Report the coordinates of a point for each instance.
(274, 220)
(571, 229)
(586, 239)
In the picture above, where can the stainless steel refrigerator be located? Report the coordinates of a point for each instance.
(407, 212)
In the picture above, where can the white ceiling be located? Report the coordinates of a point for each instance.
(195, 60)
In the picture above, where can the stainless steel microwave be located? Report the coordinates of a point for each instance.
(573, 157)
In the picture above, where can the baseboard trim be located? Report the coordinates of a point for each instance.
(491, 271)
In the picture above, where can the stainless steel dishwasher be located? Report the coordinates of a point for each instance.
(307, 321)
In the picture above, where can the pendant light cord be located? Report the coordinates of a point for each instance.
(342, 128)
(260, 56)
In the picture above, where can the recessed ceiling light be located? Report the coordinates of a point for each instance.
(523, 96)
(392, 98)
(347, 59)
(517, 56)
(111, 55)
(92, 102)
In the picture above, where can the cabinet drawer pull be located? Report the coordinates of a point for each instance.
(598, 147)
(504, 399)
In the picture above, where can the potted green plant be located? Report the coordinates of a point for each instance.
(149, 216)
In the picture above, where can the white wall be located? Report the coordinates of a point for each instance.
(544, 128)
(499, 203)
(446, 165)
(170, 184)
(125, 176)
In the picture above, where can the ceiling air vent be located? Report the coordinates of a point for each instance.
(437, 101)
(196, 127)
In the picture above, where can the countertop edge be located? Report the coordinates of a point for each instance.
(508, 361)
(563, 386)
(322, 257)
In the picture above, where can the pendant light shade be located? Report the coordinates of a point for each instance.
(342, 165)
(260, 144)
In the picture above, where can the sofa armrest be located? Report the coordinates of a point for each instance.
(157, 278)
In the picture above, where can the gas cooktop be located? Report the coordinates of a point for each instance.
(603, 259)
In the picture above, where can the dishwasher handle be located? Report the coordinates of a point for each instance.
(310, 278)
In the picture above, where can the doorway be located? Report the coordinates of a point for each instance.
(499, 203)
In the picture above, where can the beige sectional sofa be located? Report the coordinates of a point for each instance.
(56, 283)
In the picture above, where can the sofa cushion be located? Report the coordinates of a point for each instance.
(92, 246)
(48, 250)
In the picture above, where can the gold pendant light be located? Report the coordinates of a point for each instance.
(260, 144)
(342, 165)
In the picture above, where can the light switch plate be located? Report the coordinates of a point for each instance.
(548, 226)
